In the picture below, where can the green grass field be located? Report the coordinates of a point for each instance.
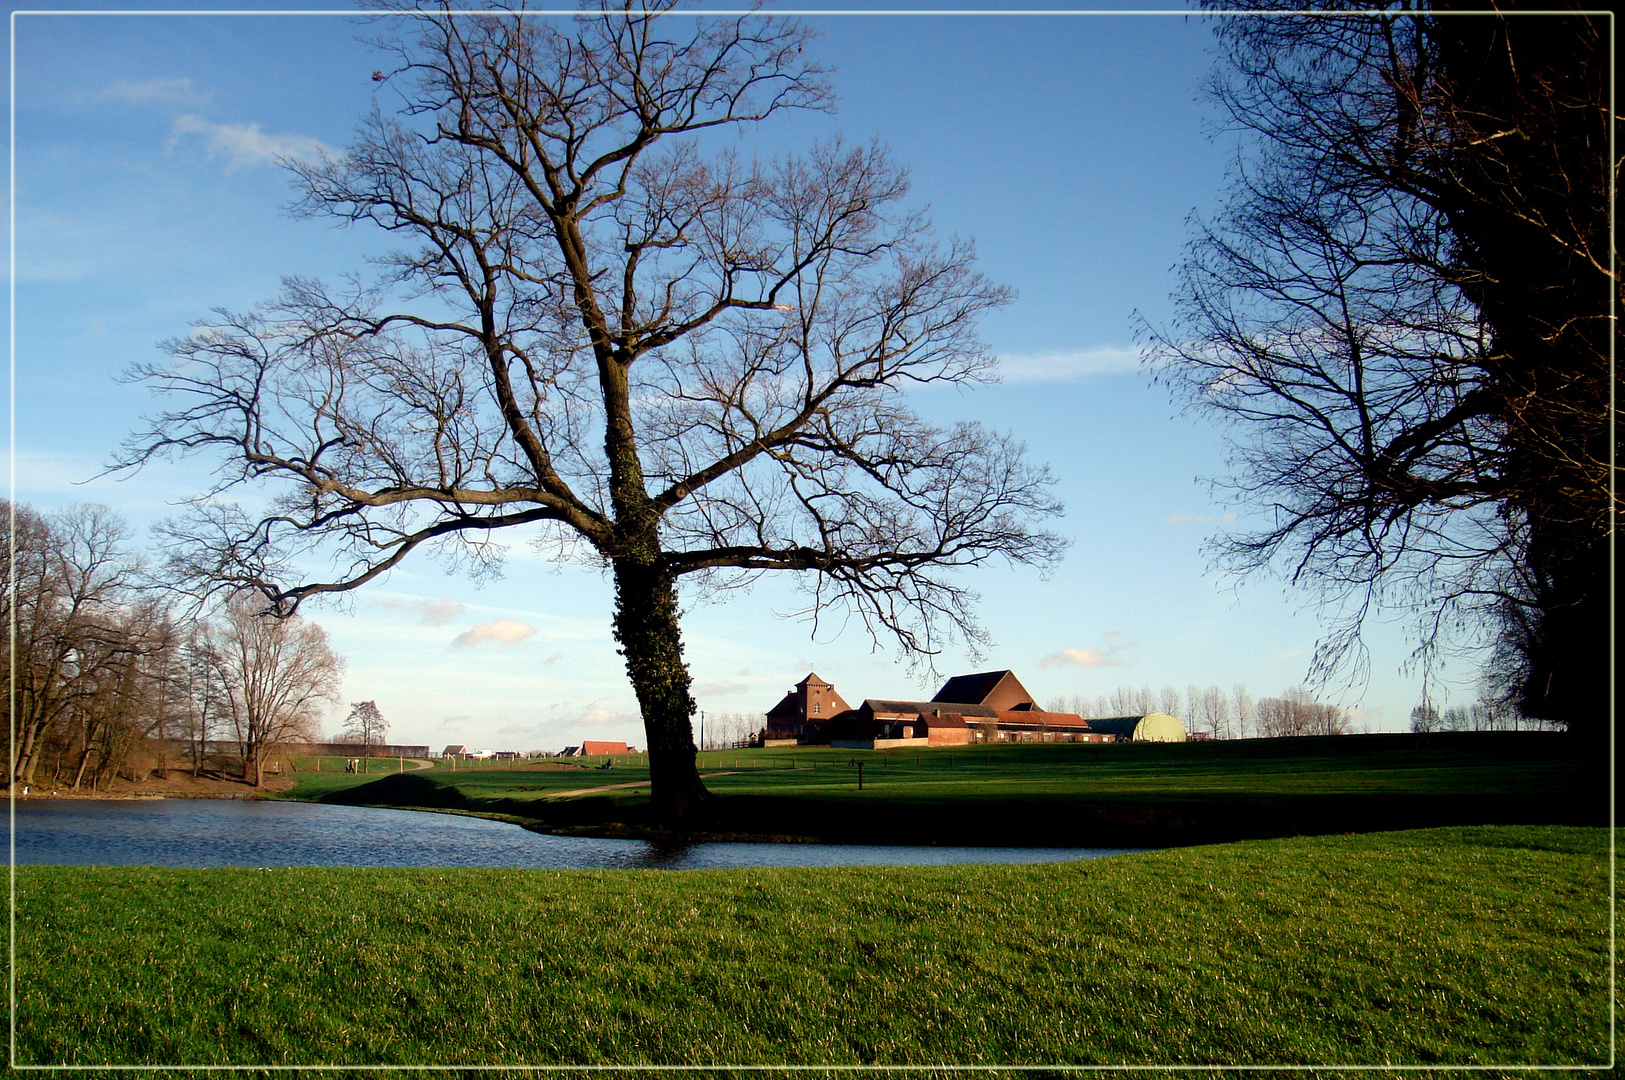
(1129, 795)
(1481, 946)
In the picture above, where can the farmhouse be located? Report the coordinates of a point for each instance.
(590, 747)
(991, 706)
(810, 704)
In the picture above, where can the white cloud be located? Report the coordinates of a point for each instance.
(1086, 658)
(243, 146)
(1063, 367)
(596, 714)
(505, 631)
(171, 91)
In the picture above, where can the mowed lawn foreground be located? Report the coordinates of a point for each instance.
(1484, 945)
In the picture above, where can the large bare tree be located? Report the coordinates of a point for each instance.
(274, 678)
(674, 362)
(1405, 308)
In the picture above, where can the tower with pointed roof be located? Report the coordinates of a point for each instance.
(810, 703)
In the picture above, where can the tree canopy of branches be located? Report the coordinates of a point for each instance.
(366, 724)
(90, 660)
(675, 363)
(1296, 712)
(274, 677)
(1405, 309)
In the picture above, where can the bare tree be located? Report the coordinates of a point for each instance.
(1244, 708)
(274, 678)
(1296, 712)
(366, 723)
(1407, 308)
(69, 584)
(1170, 701)
(676, 368)
(1424, 718)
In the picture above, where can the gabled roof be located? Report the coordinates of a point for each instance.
(923, 708)
(812, 677)
(789, 705)
(977, 689)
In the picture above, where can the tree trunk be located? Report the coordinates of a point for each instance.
(652, 643)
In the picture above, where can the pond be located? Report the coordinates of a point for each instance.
(241, 832)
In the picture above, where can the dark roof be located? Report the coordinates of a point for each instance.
(812, 677)
(924, 708)
(1116, 725)
(1040, 718)
(971, 689)
(790, 705)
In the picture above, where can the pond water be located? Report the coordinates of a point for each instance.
(240, 832)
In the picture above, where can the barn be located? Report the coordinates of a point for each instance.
(1152, 727)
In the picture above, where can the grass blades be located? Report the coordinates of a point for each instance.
(1484, 946)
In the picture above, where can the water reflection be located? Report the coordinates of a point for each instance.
(211, 832)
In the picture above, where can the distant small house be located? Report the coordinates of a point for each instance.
(570, 751)
(482, 754)
(590, 747)
(455, 750)
(508, 755)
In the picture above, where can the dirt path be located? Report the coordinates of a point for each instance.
(615, 787)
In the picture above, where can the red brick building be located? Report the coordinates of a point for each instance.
(809, 705)
(991, 706)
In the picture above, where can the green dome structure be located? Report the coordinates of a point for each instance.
(1151, 727)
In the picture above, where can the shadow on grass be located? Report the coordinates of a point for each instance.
(1169, 815)
(405, 790)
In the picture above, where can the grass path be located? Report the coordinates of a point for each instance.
(573, 792)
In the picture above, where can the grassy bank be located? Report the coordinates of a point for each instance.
(1129, 795)
(1473, 946)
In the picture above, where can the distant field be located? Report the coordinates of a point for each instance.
(1134, 795)
(1481, 946)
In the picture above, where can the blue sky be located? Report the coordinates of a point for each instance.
(1071, 148)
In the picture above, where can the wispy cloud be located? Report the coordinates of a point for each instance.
(1068, 366)
(166, 91)
(439, 612)
(242, 146)
(1087, 658)
(429, 611)
(500, 631)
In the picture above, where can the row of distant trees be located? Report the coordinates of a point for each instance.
(112, 672)
(721, 731)
(1218, 713)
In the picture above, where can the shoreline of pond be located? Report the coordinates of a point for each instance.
(285, 832)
